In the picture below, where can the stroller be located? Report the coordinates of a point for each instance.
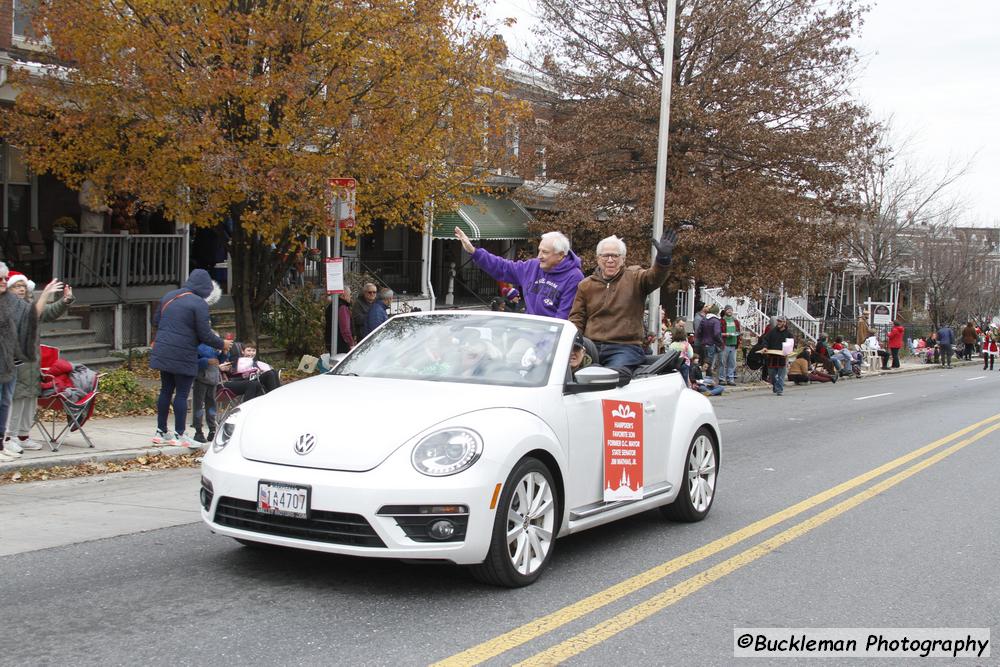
(64, 397)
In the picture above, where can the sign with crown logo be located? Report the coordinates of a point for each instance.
(622, 450)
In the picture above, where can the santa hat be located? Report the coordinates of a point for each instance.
(15, 277)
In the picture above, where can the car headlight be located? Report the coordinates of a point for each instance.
(225, 432)
(447, 452)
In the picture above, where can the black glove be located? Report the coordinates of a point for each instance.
(665, 247)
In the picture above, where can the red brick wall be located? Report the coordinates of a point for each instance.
(6, 23)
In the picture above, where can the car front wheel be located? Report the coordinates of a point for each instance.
(524, 530)
(701, 468)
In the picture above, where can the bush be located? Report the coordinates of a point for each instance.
(122, 394)
(297, 327)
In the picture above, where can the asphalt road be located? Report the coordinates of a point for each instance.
(909, 539)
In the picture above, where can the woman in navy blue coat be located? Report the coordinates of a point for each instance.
(182, 323)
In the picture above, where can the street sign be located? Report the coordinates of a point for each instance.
(334, 275)
(344, 203)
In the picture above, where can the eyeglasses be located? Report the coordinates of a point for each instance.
(608, 256)
(3, 278)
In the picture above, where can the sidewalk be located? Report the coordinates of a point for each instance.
(129, 437)
(114, 439)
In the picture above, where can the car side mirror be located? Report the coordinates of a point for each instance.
(596, 378)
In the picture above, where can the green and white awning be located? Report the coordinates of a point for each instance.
(486, 218)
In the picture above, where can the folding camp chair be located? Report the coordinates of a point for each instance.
(77, 410)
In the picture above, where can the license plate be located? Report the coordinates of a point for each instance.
(283, 499)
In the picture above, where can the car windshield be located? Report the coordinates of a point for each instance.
(458, 348)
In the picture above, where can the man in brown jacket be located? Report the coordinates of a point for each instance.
(864, 331)
(610, 302)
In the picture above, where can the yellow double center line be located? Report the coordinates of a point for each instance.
(583, 641)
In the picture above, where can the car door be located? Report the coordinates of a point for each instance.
(585, 427)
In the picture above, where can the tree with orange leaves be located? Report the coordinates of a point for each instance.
(242, 109)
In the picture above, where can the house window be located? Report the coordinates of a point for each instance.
(17, 211)
(23, 11)
(392, 240)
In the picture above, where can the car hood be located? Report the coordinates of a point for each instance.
(355, 422)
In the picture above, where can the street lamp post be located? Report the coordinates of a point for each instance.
(661, 153)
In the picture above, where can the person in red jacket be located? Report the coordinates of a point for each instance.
(895, 340)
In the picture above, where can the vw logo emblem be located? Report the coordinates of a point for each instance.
(305, 444)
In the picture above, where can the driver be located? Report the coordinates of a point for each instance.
(579, 357)
(472, 359)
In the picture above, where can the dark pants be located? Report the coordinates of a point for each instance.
(895, 356)
(203, 406)
(988, 361)
(250, 389)
(945, 353)
(169, 384)
(6, 398)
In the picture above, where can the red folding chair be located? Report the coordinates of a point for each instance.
(77, 410)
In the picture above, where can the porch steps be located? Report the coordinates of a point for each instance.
(77, 344)
(67, 337)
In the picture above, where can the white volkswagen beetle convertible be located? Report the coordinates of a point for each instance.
(462, 437)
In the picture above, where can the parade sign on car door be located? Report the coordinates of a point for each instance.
(622, 450)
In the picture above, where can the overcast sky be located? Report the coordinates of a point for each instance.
(933, 66)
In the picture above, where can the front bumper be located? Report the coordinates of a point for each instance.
(362, 494)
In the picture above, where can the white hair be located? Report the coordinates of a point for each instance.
(4, 268)
(618, 243)
(560, 243)
(386, 293)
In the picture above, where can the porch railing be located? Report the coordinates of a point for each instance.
(747, 310)
(801, 319)
(118, 261)
(402, 275)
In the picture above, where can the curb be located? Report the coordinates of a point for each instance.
(92, 457)
(907, 368)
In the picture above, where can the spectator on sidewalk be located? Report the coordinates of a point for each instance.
(895, 341)
(680, 343)
(18, 343)
(946, 339)
(379, 312)
(871, 343)
(700, 383)
(844, 358)
(360, 308)
(863, 331)
(549, 281)
(696, 324)
(514, 303)
(798, 370)
(710, 339)
(345, 336)
(203, 406)
(990, 348)
(610, 302)
(22, 416)
(969, 339)
(774, 340)
(730, 339)
(249, 377)
(182, 322)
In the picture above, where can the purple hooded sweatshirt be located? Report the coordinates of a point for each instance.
(548, 293)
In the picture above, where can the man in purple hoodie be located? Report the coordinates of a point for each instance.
(548, 282)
